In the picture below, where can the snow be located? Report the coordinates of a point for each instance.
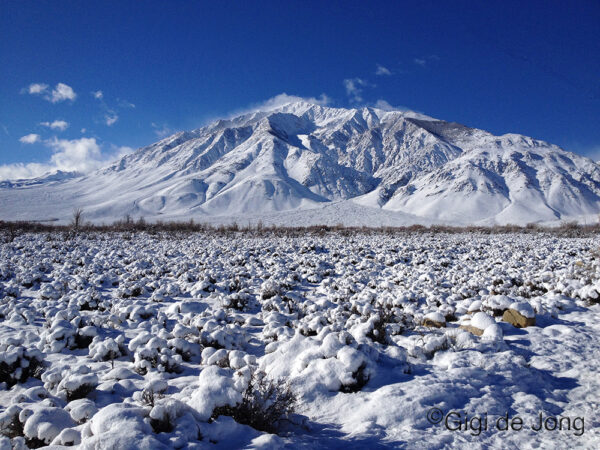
(436, 317)
(523, 308)
(81, 410)
(215, 389)
(144, 339)
(310, 164)
(493, 332)
(120, 426)
(482, 320)
(45, 423)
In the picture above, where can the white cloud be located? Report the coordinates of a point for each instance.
(271, 104)
(97, 94)
(19, 171)
(283, 99)
(80, 155)
(61, 93)
(386, 106)
(382, 70)
(383, 104)
(30, 138)
(56, 125)
(118, 152)
(110, 119)
(36, 88)
(354, 88)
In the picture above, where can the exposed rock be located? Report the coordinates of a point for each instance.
(434, 320)
(478, 323)
(471, 329)
(517, 319)
(433, 323)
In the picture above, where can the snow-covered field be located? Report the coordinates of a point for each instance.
(159, 341)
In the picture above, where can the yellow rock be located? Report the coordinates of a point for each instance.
(517, 319)
(471, 329)
(433, 323)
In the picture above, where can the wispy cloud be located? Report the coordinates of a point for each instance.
(110, 114)
(56, 125)
(110, 119)
(278, 101)
(79, 155)
(30, 138)
(592, 152)
(283, 99)
(125, 104)
(163, 130)
(384, 105)
(60, 93)
(354, 88)
(382, 71)
(117, 152)
(425, 60)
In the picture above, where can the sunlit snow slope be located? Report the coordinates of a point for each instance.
(364, 166)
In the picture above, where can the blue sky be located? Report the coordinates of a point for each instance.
(82, 82)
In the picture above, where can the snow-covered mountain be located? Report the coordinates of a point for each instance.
(359, 165)
(56, 176)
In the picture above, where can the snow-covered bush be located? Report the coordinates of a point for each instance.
(108, 349)
(270, 288)
(216, 389)
(120, 425)
(35, 426)
(155, 354)
(18, 363)
(70, 383)
(59, 336)
(238, 301)
(335, 363)
(88, 301)
(378, 329)
(41, 425)
(10, 425)
(68, 437)
(215, 333)
(81, 410)
(265, 404)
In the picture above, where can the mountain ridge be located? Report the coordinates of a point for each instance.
(301, 156)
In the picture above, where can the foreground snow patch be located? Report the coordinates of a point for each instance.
(192, 341)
